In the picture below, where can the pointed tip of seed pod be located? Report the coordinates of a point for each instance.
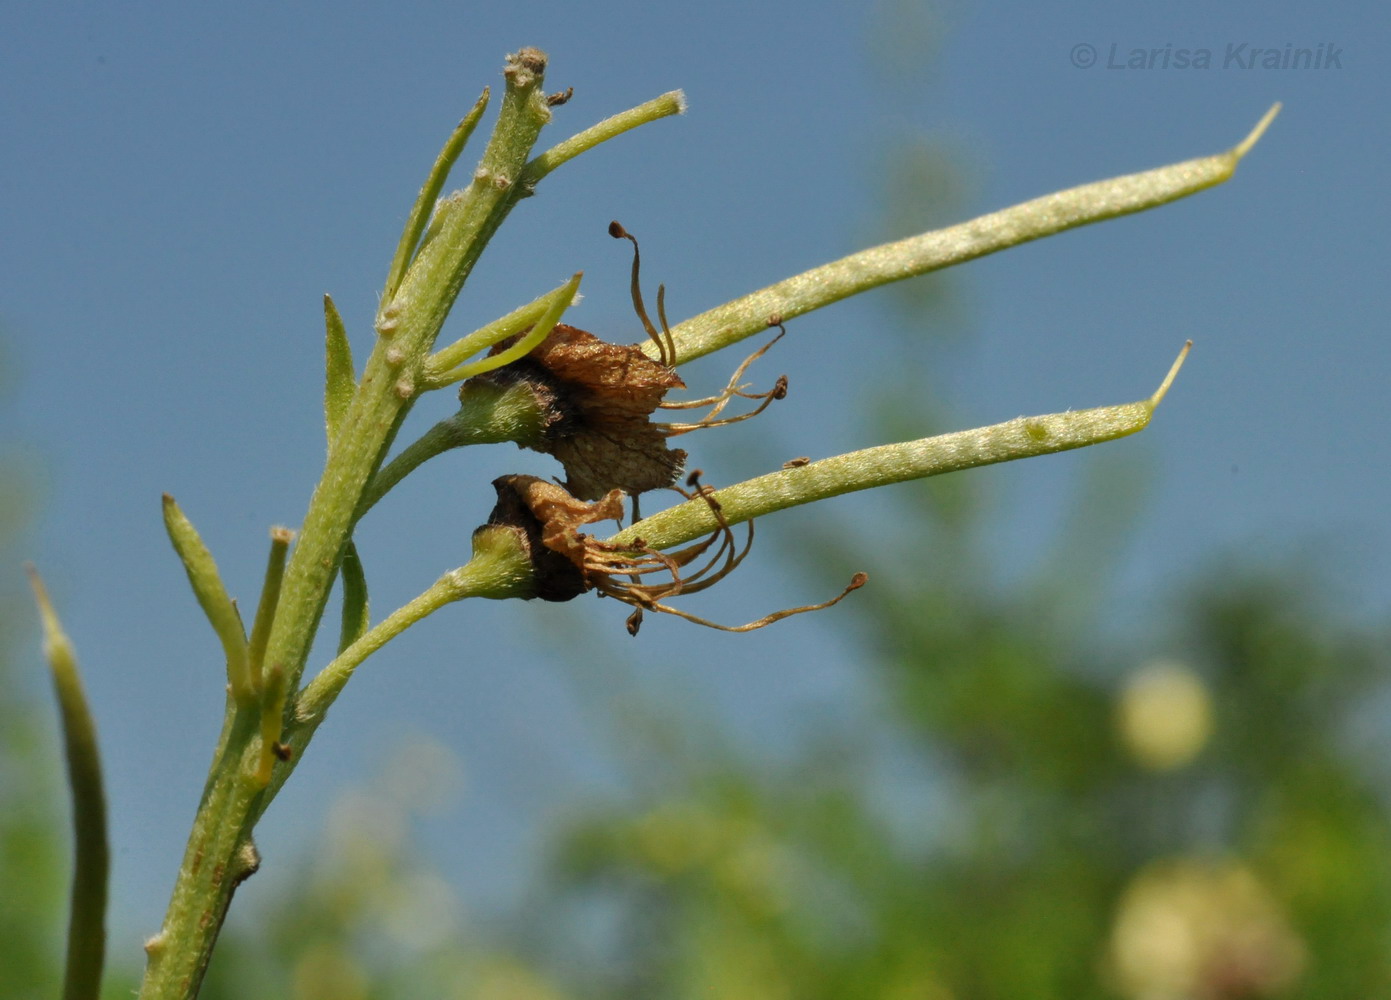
(1169, 378)
(1245, 145)
(40, 592)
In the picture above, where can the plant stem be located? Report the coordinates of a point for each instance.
(220, 852)
(488, 414)
(499, 569)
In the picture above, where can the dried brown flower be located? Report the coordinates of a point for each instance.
(596, 401)
(568, 562)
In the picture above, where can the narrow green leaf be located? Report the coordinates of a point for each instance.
(356, 613)
(212, 598)
(671, 103)
(425, 201)
(447, 365)
(340, 376)
(92, 855)
(280, 539)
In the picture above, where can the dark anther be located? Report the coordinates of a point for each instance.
(666, 345)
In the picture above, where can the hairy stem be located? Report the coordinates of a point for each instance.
(424, 279)
(220, 852)
(499, 569)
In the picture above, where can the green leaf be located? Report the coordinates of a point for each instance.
(356, 613)
(212, 598)
(340, 377)
(537, 318)
(92, 854)
(1022, 437)
(425, 201)
(280, 539)
(1010, 227)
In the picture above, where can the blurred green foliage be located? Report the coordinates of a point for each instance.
(1066, 861)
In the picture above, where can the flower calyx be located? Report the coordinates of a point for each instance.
(595, 401)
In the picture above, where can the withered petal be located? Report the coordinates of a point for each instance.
(553, 511)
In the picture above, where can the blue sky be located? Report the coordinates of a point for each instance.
(182, 184)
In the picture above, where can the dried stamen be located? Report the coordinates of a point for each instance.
(856, 582)
(731, 390)
(666, 345)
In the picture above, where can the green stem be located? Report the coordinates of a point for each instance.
(500, 569)
(1010, 227)
(1022, 437)
(220, 849)
(488, 414)
(220, 852)
(220, 856)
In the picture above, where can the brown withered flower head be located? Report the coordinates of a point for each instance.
(597, 400)
(567, 561)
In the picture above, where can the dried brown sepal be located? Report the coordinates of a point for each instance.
(597, 399)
